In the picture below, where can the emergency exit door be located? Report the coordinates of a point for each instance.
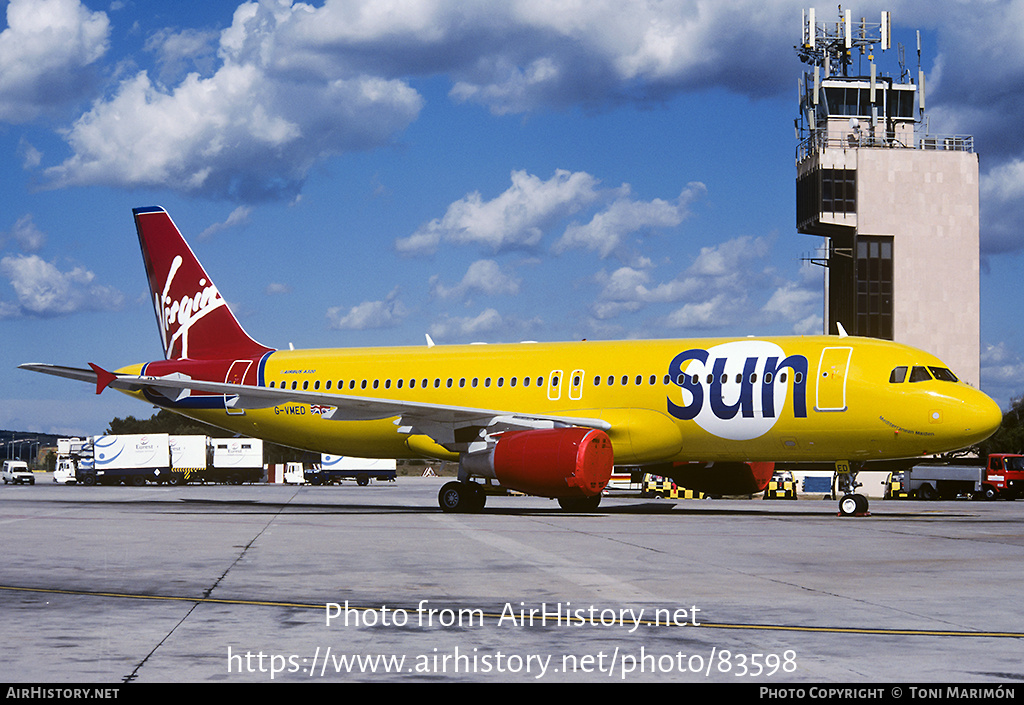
(235, 375)
(833, 371)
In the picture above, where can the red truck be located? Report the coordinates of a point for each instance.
(1005, 476)
(1002, 477)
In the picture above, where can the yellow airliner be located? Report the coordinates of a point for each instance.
(549, 419)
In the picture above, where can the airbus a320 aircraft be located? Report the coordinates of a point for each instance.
(549, 419)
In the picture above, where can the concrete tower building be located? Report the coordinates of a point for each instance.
(898, 207)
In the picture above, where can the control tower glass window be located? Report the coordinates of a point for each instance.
(874, 286)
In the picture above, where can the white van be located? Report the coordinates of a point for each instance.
(17, 471)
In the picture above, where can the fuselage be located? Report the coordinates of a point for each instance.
(811, 398)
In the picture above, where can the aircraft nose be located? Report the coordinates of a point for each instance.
(981, 416)
(992, 415)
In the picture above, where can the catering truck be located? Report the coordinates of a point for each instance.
(190, 459)
(335, 468)
(132, 459)
(1001, 476)
(236, 460)
(136, 459)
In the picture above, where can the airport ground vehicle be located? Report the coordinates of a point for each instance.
(335, 468)
(1002, 476)
(781, 486)
(17, 471)
(160, 458)
(235, 460)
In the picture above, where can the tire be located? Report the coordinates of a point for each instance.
(453, 497)
(852, 505)
(362, 480)
(461, 497)
(138, 481)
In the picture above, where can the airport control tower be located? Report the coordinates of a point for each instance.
(897, 206)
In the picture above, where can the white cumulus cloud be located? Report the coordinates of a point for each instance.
(42, 290)
(245, 132)
(368, 314)
(518, 217)
(48, 56)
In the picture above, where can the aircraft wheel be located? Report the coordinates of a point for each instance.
(853, 504)
(479, 497)
(579, 504)
(460, 497)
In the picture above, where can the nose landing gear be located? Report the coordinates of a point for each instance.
(851, 504)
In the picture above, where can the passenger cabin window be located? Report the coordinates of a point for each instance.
(899, 375)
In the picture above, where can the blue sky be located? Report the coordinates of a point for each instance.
(367, 172)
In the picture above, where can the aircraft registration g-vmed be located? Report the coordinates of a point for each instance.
(549, 419)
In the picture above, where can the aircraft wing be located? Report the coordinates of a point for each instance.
(439, 421)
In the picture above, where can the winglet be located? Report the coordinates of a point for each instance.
(103, 378)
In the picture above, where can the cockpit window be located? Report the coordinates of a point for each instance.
(919, 374)
(941, 373)
(898, 375)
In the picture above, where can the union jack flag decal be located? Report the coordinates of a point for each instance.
(321, 409)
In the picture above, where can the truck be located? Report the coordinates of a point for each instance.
(190, 458)
(132, 459)
(236, 460)
(17, 471)
(137, 459)
(1001, 476)
(69, 457)
(335, 468)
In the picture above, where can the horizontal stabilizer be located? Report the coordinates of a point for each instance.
(103, 378)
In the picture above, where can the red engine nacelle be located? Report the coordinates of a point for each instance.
(561, 462)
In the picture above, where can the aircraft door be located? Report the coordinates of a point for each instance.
(833, 370)
(236, 375)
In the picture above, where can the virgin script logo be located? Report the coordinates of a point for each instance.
(178, 317)
(737, 390)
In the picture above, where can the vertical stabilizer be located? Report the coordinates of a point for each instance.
(194, 320)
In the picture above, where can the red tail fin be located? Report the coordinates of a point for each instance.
(194, 320)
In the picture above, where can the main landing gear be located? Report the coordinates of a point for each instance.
(462, 497)
(851, 504)
(466, 497)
